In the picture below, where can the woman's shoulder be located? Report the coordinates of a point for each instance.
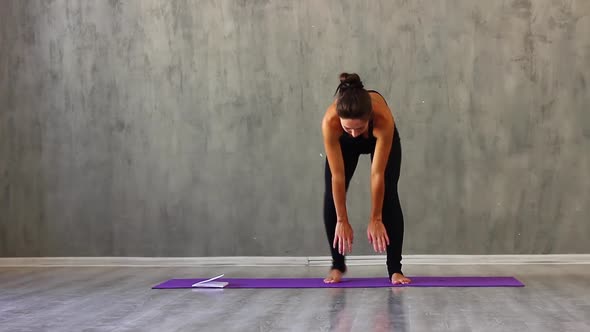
(377, 98)
(330, 121)
(379, 103)
(382, 114)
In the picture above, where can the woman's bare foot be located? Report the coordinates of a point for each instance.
(398, 278)
(334, 277)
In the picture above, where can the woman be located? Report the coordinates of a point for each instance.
(359, 122)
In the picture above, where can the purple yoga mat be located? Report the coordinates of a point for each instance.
(350, 282)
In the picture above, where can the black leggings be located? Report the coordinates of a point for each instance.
(392, 215)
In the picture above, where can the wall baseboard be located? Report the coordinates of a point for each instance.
(258, 261)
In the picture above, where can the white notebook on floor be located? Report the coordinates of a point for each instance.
(210, 283)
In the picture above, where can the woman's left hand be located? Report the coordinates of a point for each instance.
(377, 235)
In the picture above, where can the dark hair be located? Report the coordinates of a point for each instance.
(354, 102)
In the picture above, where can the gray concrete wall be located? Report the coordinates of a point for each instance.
(192, 128)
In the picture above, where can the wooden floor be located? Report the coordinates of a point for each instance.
(556, 298)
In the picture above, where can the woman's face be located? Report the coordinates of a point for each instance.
(354, 127)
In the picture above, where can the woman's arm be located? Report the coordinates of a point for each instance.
(383, 131)
(336, 164)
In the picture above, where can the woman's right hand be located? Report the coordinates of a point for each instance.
(343, 237)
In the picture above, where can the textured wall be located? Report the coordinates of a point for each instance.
(192, 128)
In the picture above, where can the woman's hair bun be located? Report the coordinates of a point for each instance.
(349, 81)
